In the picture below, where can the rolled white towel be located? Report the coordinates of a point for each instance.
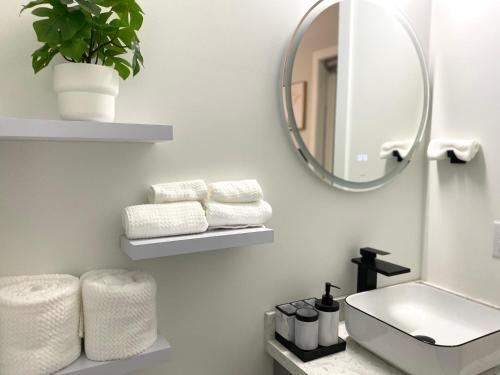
(244, 191)
(237, 215)
(402, 147)
(464, 149)
(162, 220)
(39, 318)
(119, 313)
(195, 190)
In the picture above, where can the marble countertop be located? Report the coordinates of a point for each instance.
(355, 360)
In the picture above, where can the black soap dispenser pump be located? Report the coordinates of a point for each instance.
(328, 310)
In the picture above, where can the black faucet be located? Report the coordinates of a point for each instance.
(369, 266)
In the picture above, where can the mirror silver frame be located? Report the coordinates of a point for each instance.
(291, 124)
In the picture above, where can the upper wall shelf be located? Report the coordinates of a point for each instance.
(59, 130)
(193, 243)
(153, 356)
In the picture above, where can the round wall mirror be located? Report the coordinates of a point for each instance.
(355, 92)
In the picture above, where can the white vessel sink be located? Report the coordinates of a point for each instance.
(461, 337)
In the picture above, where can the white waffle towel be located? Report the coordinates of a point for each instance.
(237, 215)
(402, 147)
(464, 149)
(119, 313)
(162, 220)
(244, 191)
(195, 190)
(39, 318)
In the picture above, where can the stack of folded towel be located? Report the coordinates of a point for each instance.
(190, 207)
(236, 204)
(175, 208)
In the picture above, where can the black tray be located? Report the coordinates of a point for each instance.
(309, 355)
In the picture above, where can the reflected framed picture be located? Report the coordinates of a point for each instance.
(299, 92)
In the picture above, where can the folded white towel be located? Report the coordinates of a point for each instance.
(162, 220)
(39, 317)
(119, 312)
(403, 147)
(464, 149)
(243, 191)
(195, 190)
(237, 215)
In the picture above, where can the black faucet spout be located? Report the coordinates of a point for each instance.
(369, 267)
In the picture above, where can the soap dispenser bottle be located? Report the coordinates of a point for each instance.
(328, 310)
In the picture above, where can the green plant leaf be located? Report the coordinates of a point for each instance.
(33, 4)
(118, 23)
(74, 49)
(131, 5)
(135, 7)
(107, 3)
(136, 67)
(88, 31)
(42, 12)
(42, 57)
(122, 69)
(102, 19)
(111, 54)
(84, 33)
(137, 52)
(122, 11)
(116, 49)
(89, 6)
(127, 36)
(137, 59)
(47, 31)
(136, 20)
(57, 29)
(104, 27)
(121, 61)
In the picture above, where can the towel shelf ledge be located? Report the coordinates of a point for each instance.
(192, 243)
(156, 354)
(16, 129)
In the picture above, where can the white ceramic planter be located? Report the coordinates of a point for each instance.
(86, 91)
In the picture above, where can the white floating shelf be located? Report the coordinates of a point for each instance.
(192, 243)
(59, 130)
(155, 355)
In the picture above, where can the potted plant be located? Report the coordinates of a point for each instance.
(93, 36)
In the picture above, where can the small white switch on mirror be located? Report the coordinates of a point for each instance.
(496, 239)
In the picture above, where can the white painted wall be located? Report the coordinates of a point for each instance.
(463, 200)
(212, 70)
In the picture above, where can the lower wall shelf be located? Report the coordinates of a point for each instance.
(155, 355)
(192, 243)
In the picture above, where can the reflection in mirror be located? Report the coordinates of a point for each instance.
(357, 85)
(316, 62)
